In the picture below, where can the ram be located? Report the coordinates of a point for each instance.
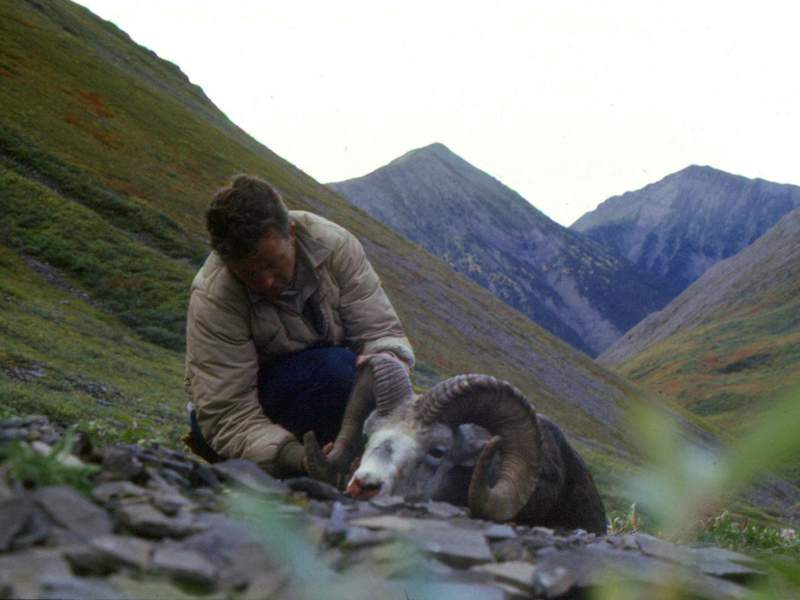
(471, 439)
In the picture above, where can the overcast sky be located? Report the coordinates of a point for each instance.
(566, 102)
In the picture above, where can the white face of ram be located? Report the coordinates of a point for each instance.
(402, 458)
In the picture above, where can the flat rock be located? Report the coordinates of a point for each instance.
(398, 559)
(24, 571)
(724, 563)
(391, 522)
(318, 490)
(38, 529)
(14, 514)
(120, 463)
(452, 544)
(358, 537)
(443, 510)
(71, 510)
(513, 549)
(231, 547)
(560, 571)
(388, 502)
(170, 503)
(264, 586)
(712, 552)
(336, 526)
(462, 591)
(184, 565)
(115, 490)
(131, 587)
(516, 573)
(248, 475)
(143, 519)
(107, 553)
(455, 546)
(652, 546)
(496, 531)
(77, 588)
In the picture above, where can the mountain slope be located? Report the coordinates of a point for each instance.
(731, 341)
(678, 227)
(566, 283)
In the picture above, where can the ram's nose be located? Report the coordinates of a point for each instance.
(361, 489)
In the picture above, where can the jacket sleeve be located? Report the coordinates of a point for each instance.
(369, 319)
(222, 374)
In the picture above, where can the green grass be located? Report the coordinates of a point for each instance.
(725, 370)
(73, 347)
(140, 286)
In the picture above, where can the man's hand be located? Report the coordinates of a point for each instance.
(326, 449)
(363, 358)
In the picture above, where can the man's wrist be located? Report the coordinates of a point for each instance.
(291, 458)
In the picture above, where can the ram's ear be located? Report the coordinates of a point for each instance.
(468, 442)
(371, 423)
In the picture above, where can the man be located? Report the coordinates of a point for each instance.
(280, 315)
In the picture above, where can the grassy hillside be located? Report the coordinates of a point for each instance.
(731, 342)
(108, 159)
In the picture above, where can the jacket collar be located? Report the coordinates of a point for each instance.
(315, 250)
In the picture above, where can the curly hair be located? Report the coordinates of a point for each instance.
(242, 213)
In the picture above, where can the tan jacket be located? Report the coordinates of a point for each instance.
(229, 333)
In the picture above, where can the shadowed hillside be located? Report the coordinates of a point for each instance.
(731, 341)
(565, 282)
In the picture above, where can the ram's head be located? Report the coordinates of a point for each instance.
(416, 441)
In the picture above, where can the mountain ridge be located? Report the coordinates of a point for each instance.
(567, 283)
(679, 226)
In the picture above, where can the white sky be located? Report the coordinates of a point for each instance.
(566, 102)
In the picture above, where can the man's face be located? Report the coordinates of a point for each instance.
(270, 271)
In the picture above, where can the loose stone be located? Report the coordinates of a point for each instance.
(519, 574)
(107, 553)
(145, 520)
(71, 510)
(114, 490)
(248, 475)
(184, 565)
(14, 514)
(120, 462)
(76, 588)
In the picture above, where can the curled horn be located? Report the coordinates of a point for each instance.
(500, 408)
(381, 384)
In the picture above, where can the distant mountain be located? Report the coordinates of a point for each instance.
(565, 282)
(729, 342)
(678, 227)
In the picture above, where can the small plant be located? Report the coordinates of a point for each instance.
(686, 486)
(33, 469)
(741, 534)
(629, 522)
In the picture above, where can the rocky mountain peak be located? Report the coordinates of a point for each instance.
(678, 227)
(487, 231)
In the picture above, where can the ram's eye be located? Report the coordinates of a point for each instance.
(436, 453)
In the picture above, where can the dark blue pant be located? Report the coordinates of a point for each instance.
(305, 391)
